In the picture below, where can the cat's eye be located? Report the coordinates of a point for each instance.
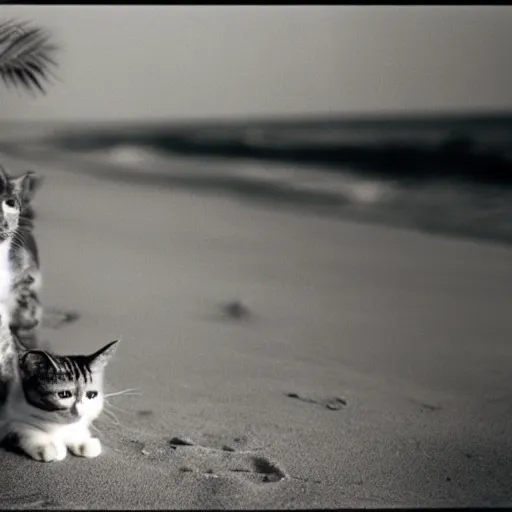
(91, 394)
(64, 394)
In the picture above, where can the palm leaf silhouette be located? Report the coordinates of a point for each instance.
(26, 55)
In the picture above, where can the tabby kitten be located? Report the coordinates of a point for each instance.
(13, 261)
(19, 259)
(50, 401)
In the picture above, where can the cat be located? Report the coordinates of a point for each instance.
(25, 309)
(48, 402)
(20, 276)
(13, 196)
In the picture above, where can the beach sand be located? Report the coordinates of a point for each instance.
(367, 366)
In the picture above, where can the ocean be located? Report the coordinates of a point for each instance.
(449, 175)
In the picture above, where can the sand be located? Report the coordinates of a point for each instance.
(285, 359)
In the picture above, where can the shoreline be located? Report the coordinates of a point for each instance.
(461, 212)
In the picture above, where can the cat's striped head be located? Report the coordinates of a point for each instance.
(15, 195)
(64, 389)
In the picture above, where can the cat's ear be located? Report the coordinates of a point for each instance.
(4, 178)
(22, 186)
(99, 359)
(32, 362)
(34, 184)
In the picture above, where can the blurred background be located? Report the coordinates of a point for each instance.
(273, 207)
(388, 114)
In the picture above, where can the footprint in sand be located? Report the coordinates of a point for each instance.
(188, 456)
(213, 462)
(33, 501)
(425, 407)
(334, 403)
(145, 413)
(54, 318)
(234, 311)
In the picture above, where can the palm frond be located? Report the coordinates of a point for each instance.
(26, 55)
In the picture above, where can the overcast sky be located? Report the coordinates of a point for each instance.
(123, 62)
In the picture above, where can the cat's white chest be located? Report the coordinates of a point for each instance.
(6, 275)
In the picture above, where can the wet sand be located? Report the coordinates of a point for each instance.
(366, 366)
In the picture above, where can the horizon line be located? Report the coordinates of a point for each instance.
(478, 114)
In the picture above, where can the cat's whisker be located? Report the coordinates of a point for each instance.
(106, 419)
(96, 428)
(123, 394)
(112, 406)
(133, 392)
(112, 415)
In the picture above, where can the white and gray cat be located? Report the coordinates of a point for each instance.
(47, 401)
(20, 276)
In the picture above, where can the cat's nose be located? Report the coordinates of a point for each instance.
(78, 409)
(77, 406)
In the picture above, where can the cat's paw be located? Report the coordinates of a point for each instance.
(48, 452)
(89, 449)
